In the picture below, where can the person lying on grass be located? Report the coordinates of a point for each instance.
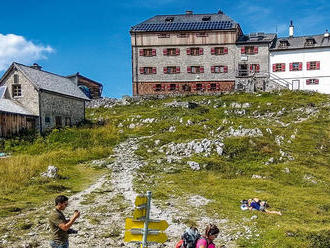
(256, 204)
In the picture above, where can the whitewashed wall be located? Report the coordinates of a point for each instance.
(304, 56)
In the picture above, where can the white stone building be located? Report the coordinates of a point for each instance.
(302, 62)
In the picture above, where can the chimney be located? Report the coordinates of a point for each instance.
(189, 12)
(36, 66)
(291, 28)
(326, 34)
(220, 12)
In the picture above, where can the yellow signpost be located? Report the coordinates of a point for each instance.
(140, 228)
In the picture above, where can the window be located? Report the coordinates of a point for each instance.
(195, 69)
(16, 79)
(249, 50)
(182, 35)
(47, 119)
(278, 67)
(296, 66)
(68, 121)
(313, 65)
(172, 87)
(195, 51)
(163, 35)
(17, 90)
(219, 50)
(243, 70)
(201, 34)
(254, 68)
(219, 69)
(148, 70)
(169, 19)
(148, 52)
(171, 69)
(186, 87)
(58, 121)
(309, 42)
(312, 81)
(283, 44)
(171, 51)
(213, 86)
(157, 87)
(199, 86)
(206, 18)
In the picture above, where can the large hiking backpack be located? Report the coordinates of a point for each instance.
(189, 238)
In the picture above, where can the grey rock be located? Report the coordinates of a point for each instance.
(52, 172)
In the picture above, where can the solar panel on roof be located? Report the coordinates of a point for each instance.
(183, 26)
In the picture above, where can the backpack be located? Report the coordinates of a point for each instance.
(189, 238)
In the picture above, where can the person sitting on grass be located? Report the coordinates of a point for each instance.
(256, 204)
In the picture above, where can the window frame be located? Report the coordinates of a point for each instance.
(16, 90)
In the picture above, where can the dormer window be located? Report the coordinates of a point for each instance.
(206, 18)
(310, 42)
(284, 44)
(169, 19)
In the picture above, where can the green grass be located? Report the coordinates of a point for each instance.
(224, 179)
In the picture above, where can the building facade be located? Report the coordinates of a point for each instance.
(51, 100)
(302, 62)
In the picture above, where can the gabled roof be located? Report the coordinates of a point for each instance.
(300, 42)
(44, 80)
(10, 106)
(186, 22)
(256, 38)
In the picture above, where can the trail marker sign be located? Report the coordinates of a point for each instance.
(140, 228)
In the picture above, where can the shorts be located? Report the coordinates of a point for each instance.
(57, 245)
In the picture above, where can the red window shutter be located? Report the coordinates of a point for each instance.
(201, 69)
(189, 69)
(255, 50)
(257, 68)
(291, 66)
(318, 65)
(154, 87)
(225, 69)
(168, 87)
(165, 52)
(194, 87)
(203, 86)
(163, 86)
(300, 66)
(153, 52)
(225, 50)
(308, 65)
(242, 50)
(283, 67)
(212, 50)
(154, 70)
(251, 67)
(177, 86)
(208, 86)
(308, 81)
(212, 69)
(201, 51)
(218, 86)
(188, 51)
(177, 51)
(141, 70)
(165, 70)
(316, 81)
(274, 67)
(141, 52)
(178, 69)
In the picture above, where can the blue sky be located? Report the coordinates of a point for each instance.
(92, 37)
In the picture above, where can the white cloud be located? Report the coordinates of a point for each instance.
(17, 48)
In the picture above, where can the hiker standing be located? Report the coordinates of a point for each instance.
(211, 233)
(59, 225)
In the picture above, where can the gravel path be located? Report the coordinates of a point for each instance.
(105, 205)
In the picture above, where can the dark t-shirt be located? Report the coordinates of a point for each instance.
(59, 236)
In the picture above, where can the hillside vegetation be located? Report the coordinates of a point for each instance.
(273, 146)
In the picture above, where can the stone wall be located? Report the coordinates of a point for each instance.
(29, 98)
(53, 105)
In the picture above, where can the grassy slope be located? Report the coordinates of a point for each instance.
(225, 179)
